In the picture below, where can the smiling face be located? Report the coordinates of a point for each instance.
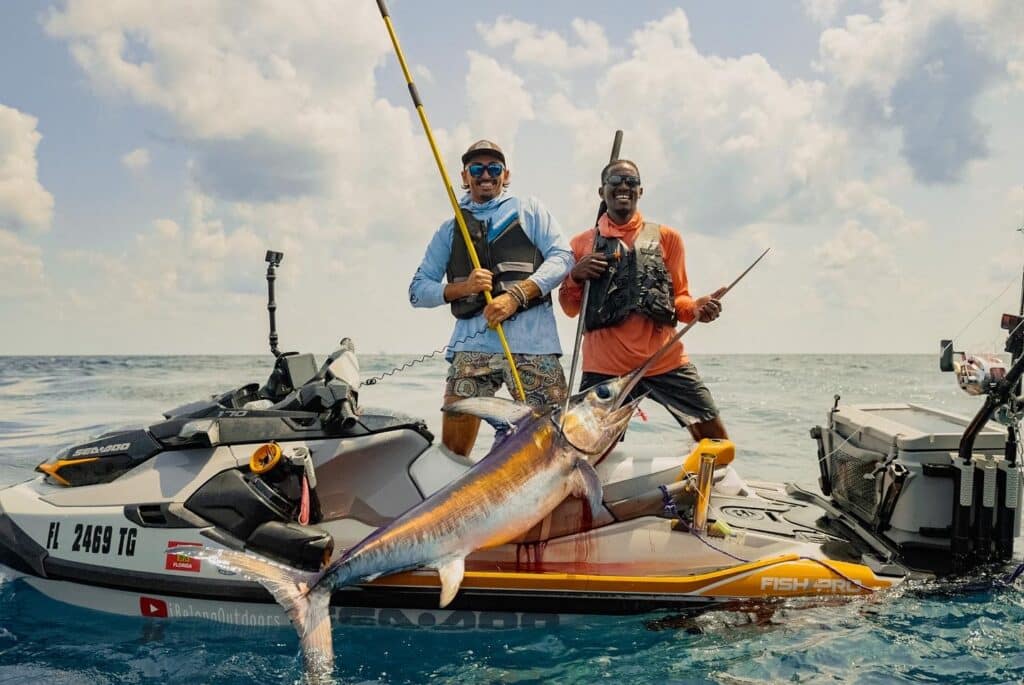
(621, 198)
(484, 187)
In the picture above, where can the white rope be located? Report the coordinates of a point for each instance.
(852, 436)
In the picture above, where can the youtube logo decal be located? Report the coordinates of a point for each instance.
(152, 607)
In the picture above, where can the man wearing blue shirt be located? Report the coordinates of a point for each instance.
(523, 257)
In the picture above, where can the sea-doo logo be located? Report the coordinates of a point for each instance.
(832, 586)
(407, 618)
(105, 449)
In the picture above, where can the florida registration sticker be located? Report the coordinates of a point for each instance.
(180, 562)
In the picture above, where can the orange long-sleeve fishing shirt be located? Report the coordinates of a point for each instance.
(616, 350)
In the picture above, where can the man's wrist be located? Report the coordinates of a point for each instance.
(454, 291)
(518, 293)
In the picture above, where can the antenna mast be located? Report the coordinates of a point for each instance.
(273, 259)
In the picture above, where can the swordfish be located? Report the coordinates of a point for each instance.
(538, 459)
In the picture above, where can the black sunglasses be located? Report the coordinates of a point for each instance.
(616, 179)
(495, 169)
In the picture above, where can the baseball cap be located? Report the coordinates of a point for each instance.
(482, 146)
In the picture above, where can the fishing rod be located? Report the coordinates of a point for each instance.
(463, 229)
(639, 373)
(602, 208)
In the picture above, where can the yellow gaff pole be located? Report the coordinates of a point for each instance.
(448, 187)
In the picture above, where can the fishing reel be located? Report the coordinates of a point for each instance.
(976, 374)
(984, 374)
(981, 374)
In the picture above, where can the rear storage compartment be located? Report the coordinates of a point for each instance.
(890, 466)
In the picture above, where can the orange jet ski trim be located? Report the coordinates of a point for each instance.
(784, 575)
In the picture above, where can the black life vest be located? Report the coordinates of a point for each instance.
(636, 280)
(510, 257)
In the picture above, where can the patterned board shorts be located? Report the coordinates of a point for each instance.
(681, 391)
(480, 374)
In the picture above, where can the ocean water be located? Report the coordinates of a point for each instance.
(948, 633)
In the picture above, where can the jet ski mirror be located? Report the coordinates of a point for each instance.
(946, 355)
(343, 364)
(1015, 338)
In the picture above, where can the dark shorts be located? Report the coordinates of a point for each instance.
(681, 391)
(480, 374)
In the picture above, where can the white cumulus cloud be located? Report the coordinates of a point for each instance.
(137, 160)
(21, 264)
(24, 203)
(822, 11)
(721, 142)
(167, 228)
(535, 46)
(290, 146)
(920, 68)
(498, 100)
(274, 101)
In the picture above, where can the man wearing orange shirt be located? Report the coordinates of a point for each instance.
(638, 292)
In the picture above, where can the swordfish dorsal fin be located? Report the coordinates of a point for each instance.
(502, 414)
(451, 573)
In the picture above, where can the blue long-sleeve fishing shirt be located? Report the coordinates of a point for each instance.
(532, 331)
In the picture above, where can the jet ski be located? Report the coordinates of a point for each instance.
(296, 471)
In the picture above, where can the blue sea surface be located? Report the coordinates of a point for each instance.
(921, 632)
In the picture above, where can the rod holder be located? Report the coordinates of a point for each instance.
(963, 511)
(1008, 494)
(985, 504)
(704, 478)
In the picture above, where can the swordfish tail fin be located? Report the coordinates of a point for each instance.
(305, 602)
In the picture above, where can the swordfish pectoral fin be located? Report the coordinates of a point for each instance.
(587, 485)
(451, 574)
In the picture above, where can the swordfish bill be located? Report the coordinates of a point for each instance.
(537, 460)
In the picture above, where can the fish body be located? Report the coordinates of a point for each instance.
(507, 493)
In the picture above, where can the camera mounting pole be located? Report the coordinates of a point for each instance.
(273, 260)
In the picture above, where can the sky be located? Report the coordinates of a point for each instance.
(151, 152)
